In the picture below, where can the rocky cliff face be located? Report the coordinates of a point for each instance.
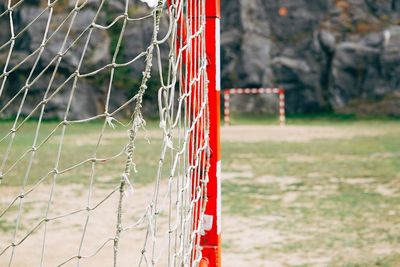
(35, 71)
(328, 54)
(341, 55)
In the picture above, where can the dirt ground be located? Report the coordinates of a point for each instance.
(255, 133)
(246, 236)
(64, 234)
(288, 133)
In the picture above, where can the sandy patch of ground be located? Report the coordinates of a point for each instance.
(289, 133)
(247, 239)
(360, 181)
(252, 242)
(244, 133)
(300, 158)
(65, 234)
(93, 138)
(282, 181)
(244, 247)
(386, 191)
(233, 175)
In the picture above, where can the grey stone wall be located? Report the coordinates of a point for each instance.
(341, 55)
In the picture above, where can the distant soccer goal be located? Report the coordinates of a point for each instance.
(240, 91)
(85, 178)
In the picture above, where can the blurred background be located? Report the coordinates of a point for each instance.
(339, 56)
(331, 56)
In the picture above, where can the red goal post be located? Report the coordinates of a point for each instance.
(239, 91)
(210, 239)
(210, 242)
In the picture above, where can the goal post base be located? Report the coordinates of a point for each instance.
(211, 256)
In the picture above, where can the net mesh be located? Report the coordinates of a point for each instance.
(95, 186)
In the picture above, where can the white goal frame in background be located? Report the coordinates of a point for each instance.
(239, 91)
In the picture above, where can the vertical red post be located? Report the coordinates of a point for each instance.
(282, 116)
(211, 241)
(227, 111)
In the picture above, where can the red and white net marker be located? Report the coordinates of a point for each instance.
(238, 91)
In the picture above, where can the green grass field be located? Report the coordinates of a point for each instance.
(319, 192)
(322, 202)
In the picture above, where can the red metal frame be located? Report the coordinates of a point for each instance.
(211, 241)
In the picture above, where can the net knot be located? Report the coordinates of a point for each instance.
(172, 8)
(109, 121)
(168, 141)
(81, 5)
(138, 121)
(163, 124)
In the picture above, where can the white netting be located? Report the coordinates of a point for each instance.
(77, 190)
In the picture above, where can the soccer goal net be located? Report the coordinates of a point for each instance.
(85, 178)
